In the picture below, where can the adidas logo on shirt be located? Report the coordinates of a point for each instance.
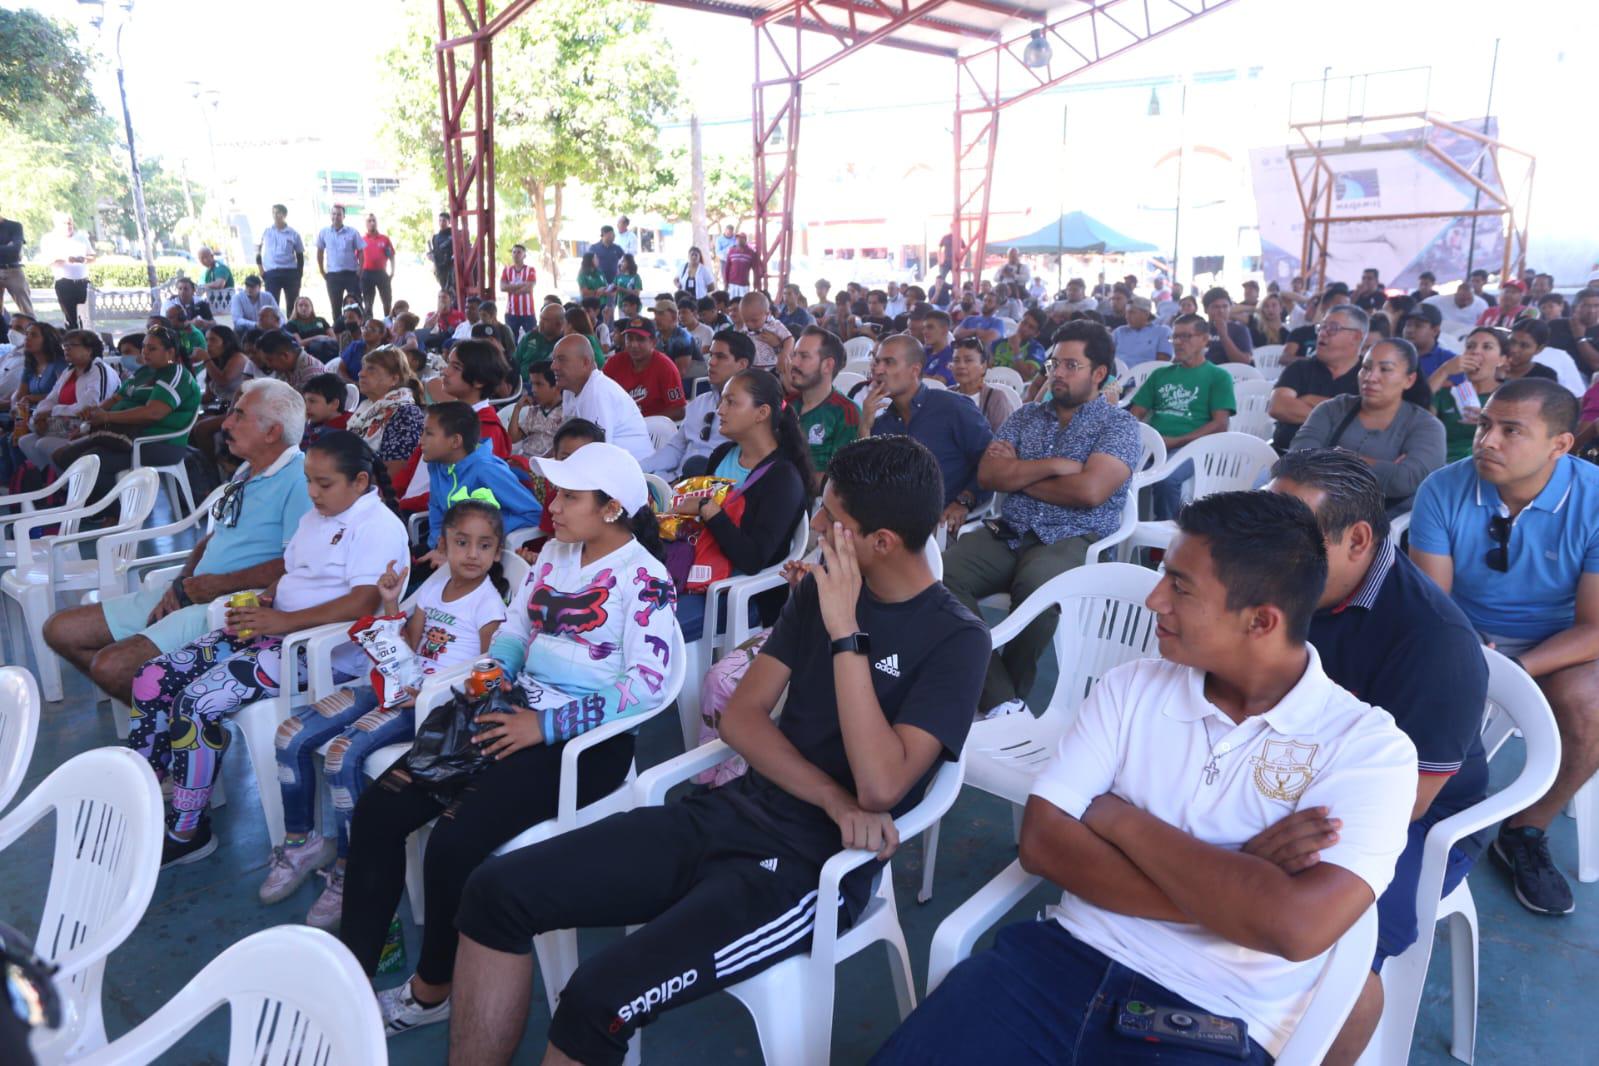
(889, 665)
(769, 865)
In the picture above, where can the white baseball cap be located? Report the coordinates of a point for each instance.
(605, 467)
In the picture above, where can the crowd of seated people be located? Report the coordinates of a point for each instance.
(1286, 611)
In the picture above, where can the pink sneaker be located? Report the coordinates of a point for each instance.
(325, 912)
(290, 866)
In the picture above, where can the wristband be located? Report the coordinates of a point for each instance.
(181, 594)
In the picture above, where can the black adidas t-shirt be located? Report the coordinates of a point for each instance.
(929, 656)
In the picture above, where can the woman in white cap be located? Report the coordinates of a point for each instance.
(587, 641)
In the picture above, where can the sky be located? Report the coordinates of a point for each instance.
(885, 110)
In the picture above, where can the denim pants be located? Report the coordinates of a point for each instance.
(1166, 495)
(1040, 996)
(357, 728)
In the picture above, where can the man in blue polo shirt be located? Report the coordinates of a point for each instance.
(949, 424)
(1513, 535)
(254, 519)
(1395, 640)
(937, 349)
(986, 327)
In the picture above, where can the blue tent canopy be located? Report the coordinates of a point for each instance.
(1073, 233)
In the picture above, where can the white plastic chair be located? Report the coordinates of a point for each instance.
(935, 383)
(846, 380)
(861, 366)
(792, 1002)
(719, 625)
(352, 397)
(1136, 376)
(1222, 462)
(77, 482)
(44, 570)
(1242, 372)
(859, 348)
(294, 995)
(108, 831)
(1004, 375)
(177, 475)
(1514, 702)
(1342, 977)
(661, 491)
(19, 728)
(661, 430)
(1103, 623)
(1269, 360)
(1253, 398)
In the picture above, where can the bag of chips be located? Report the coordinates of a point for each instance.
(397, 669)
(676, 526)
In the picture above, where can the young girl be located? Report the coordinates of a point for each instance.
(339, 551)
(593, 622)
(457, 612)
(87, 383)
(627, 279)
(538, 413)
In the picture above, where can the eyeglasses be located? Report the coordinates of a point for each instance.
(1499, 555)
(1071, 366)
(1189, 335)
(1333, 327)
(227, 509)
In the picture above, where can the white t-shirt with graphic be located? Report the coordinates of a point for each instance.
(451, 629)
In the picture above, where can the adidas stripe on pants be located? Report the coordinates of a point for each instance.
(719, 899)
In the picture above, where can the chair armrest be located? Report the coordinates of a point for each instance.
(738, 604)
(566, 812)
(651, 787)
(957, 934)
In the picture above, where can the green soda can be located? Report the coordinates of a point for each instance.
(392, 957)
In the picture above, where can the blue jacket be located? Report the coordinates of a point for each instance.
(487, 477)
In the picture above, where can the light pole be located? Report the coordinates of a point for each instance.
(97, 20)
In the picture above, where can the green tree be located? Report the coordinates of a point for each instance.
(580, 89)
(60, 142)
(666, 190)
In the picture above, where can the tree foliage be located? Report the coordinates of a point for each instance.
(666, 189)
(580, 88)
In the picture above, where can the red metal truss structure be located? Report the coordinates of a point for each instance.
(1500, 175)
(795, 40)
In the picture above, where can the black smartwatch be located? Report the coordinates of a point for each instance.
(858, 643)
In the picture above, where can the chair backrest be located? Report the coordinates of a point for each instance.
(846, 380)
(352, 397)
(506, 414)
(19, 728)
(1004, 375)
(660, 428)
(1242, 372)
(77, 482)
(108, 831)
(135, 491)
(1121, 368)
(515, 569)
(660, 491)
(859, 348)
(294, 994)
(1269, 360)
(1253, 397)
(1131, 379)
(1153, 455)
(1226, 461)
(502, 402)
(1103, 623)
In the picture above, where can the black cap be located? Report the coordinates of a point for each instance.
(1424, 311)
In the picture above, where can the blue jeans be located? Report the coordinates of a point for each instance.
(1038, 996)
(1396, 907)
(1166, 495)
(360, 729)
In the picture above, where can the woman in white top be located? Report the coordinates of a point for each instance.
(695, 277)
(968, 364)
(87, 383)
(588, 641)
(331, 571)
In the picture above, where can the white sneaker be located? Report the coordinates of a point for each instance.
(329, 906)
(1002, 709)
(289, 867)
(401, 1011)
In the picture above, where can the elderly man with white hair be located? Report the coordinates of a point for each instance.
(586, 393)
(258, 512)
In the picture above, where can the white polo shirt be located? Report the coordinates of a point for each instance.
(1147, 733)
(341, 246)
(608, 406)
(329, 555)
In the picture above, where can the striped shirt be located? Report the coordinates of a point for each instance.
(518, 303)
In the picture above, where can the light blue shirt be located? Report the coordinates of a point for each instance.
(274, 502)
(1134, 346)
(341, 246)
(1553, 542)
(279, 248)
(730, 468)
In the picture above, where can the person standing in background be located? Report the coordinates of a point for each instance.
(723, 243)
(12, 279)
(517, 279)
(441, 250)
(377, 268)
(338, 250)
(626, 237)
(69, 253)
(281, 257)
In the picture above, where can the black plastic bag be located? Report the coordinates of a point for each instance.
(443, 756)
